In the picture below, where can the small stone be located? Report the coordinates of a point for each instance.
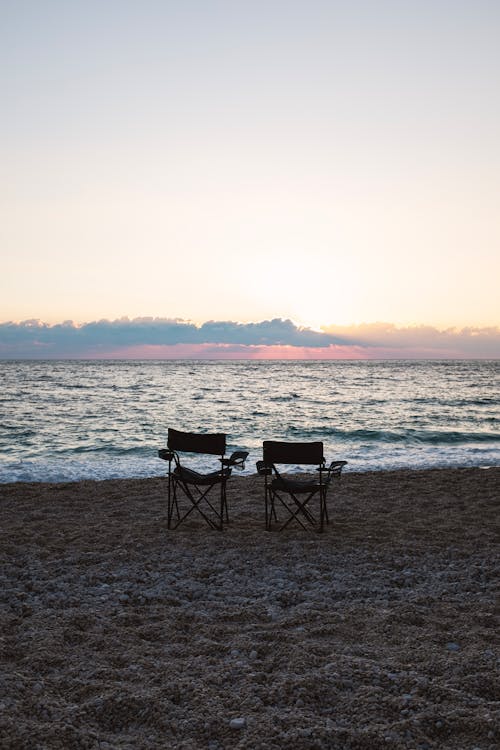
(453, 646)
(38, 688)
(239, 723)
(253, 655)
(123, 598)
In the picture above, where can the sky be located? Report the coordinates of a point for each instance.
(331, 166)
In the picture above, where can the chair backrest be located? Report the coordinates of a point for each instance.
(293, 453)
(193, 442)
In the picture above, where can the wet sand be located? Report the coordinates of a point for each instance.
(380, 633)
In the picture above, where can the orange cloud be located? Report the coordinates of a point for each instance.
(161, 338)
(231, 351)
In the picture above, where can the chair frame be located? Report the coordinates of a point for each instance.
(194, 485)
(277, 485)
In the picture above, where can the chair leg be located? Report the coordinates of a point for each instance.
(301, 509)
(322, 510)
(273, 511)
(224, 507)
(270, 508)
(196, 502)
(295, 512)
(172, 502)
(172, 496)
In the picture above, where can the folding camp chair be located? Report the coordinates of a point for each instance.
(296, 494)
(196, 487)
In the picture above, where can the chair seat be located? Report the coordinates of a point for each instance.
(296, 486)
(189, 476)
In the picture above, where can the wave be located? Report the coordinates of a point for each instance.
(408, 436)
(74, 419)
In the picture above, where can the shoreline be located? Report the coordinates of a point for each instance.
(238, 475)
(379, 633)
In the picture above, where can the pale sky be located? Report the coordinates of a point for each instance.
(335, 163)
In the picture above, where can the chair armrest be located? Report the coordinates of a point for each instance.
(335, 468)
(263, 469)
(165, 454)
(235, 459)
(337, 465)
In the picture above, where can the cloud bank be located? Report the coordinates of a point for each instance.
(165, 338)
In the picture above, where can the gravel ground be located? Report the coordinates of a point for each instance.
(379, 633)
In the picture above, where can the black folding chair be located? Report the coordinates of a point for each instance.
(295, 495)
(194, 486)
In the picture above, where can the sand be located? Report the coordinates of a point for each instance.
(379, 633)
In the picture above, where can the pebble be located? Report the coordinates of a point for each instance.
(239, 723)
(274, 680)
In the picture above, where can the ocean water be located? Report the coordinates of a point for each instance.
(70, 420)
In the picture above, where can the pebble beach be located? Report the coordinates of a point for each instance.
(381, 632)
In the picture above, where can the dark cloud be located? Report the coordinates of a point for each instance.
(266, 333)
(37, 339)
(34, 339)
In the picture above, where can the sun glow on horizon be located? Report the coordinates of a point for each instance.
(250, 162)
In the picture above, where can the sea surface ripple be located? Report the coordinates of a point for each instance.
(71, 420)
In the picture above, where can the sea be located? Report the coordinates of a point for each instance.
(69, 420)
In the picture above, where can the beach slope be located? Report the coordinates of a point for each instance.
(379, 633)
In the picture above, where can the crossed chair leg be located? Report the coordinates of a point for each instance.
(295, 510)
(196, 503)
